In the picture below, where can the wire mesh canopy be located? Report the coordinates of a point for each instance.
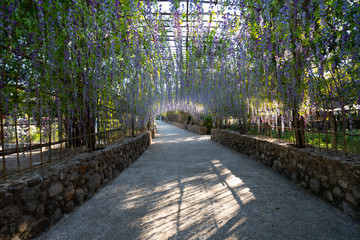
(188, 21)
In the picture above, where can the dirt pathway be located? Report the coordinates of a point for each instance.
(187, 187)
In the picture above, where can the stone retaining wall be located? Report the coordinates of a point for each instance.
(30, 205)
(193, 128)
(179, 125)
(197, 129)
(333, 177)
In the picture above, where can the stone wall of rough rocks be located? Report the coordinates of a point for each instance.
(333, 177)
(177, 124)
(197, 129)
(193, 128)
(29, 205)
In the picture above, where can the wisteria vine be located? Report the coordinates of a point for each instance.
(85, 60)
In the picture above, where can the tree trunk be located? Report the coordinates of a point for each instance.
(133, 126)
(90, 132)
(299, 129)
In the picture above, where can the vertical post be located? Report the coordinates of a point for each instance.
(50, 133)
(318, 130)
(60, 137)
(17, 145)
(2, 144)
(344, 130)
(105, 124)
(299, 128)
(133, 126)
(187, 30)
(326, 133)
(29, 130)
(41, 153)
(312, 127)
(333, 127)
(91, 134)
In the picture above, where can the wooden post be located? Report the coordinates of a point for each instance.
(50, 133)
(29, 129)
(133, 126)
(333, 127)
(2, 143)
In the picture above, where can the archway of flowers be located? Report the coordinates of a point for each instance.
(97, 65)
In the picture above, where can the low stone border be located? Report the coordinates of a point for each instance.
(193, 128)
(334, 178)
(30, 205)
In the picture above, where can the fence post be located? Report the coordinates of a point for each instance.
(299, 129)
(29, 129)
(17, 145)
(333, 127)
(2, 143)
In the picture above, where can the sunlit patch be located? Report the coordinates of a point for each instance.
(192, 207)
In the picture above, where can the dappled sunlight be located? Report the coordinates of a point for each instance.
(182, 139)
(233, 182)
(201, 205)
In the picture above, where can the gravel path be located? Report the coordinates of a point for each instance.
(187, 187)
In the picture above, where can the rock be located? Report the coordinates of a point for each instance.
(2, 194)
(74, 175)
(303, 184)
(62, 175)
(310, 172)
(82, 168)
(30, 206)
(17, 187)
(323, 178)
(51, 206)
(94, 182)
(55, 189)
(80, 181)
(25, 223)
(59, 198)
(42, 196)
(40, 210)
(356, 191)
(343, 183)
(350, 198)
(106, 173)
(6, 201)
(69, 206)
(66, 182)
(40, 226)
(322, 169)
(328, 196)
(111, 176)
(32, 182)
(348, 210)
(356, 173)
(44, 184)
(9, 214)
(69, 192)
(338, 194)
(56, 216)
(315, 185)
(79, 195)
(332, 180)
(28, 195)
